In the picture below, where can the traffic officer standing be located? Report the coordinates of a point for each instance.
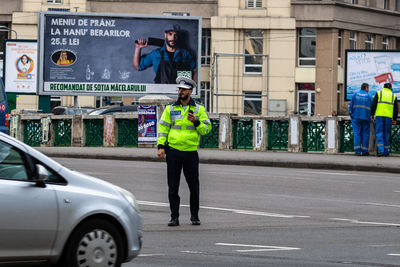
(360, 113)
(384, 107)
(179, 131)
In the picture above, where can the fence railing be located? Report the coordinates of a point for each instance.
(294, 133)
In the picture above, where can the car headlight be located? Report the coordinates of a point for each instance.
(129, 197)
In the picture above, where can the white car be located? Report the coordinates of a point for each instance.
(52, 214)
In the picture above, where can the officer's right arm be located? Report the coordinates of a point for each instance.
(164, 127)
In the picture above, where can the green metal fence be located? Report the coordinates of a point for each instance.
(242, 133)
(32, 132)
(278, 135)
(211, 140)
(346, 136)
(94, 132)
(62, 132)
(313, 136)
(127, 132)
(394, 140)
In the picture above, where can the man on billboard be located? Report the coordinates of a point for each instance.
(167, 61)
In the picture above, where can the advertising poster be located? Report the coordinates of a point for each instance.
(110, 55)
(147, 124)
(20, 71)
(373, 67)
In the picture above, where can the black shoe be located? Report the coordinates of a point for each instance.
(357, 154)
(365, 154)
(195, 220)
(379, 155)
(173, 222)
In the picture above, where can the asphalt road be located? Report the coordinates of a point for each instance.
(260, 216)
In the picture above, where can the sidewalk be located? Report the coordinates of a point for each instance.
(240, 157)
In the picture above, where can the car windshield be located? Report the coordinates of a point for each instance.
(97, 111)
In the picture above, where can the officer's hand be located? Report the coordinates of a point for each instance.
(191, 117)
(393, 122)
(141, 43)
(161, 153)
(372, 118)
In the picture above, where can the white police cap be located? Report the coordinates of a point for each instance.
(185, 83)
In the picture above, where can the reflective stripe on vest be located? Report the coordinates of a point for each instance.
(385, 103)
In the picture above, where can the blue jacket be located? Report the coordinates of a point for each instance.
(360, 106)
(154, 58)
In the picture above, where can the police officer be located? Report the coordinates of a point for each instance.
(360, 113)
(384, 107)
(179, 131)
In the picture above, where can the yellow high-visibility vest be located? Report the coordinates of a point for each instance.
(180, 133)
(385, 105)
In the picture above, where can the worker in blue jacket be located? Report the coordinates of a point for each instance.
(360, 113)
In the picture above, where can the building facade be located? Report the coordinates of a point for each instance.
(259, 57)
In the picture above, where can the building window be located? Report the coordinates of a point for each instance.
(253, 3)
(307, 44)
(397, 6)
(385, 43)
(353, 40)
(369, 41)
(205, 46)
(340, 34)
(306, 99)
(54, 1)
(253, 45)
(252, 103)
(205, 91)
(354, 1)
(386, 4)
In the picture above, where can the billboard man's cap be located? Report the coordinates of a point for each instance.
(185, 83)
(172, 27)
(387, 85)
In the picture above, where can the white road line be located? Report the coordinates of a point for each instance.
(260, 248)
(150, 255)
(247, 212)
(361, 222)
(393, 254)
(335, 173)
(192, 252)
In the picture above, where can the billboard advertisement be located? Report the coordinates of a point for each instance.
(147, 124)
(374, 67)
(116, 55)
(20, 66)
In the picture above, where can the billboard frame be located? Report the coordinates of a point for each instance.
(41, 36)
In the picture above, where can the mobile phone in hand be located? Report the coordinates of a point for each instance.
(190, 111)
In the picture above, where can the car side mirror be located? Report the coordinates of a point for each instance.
(42, 175)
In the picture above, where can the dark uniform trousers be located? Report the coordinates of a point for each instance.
(189, 161)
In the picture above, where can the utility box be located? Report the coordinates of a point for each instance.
(277, 107)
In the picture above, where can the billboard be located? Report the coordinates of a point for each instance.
(147, 124)
(375, 67)
(20, 66)
(116, 55)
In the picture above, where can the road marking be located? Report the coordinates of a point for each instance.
(247, 212)
(335, 173)
(150, 255)
(361, 222)
(258, 248)
(192, 252)
(393, 254)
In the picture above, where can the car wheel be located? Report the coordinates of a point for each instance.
(95, 243)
